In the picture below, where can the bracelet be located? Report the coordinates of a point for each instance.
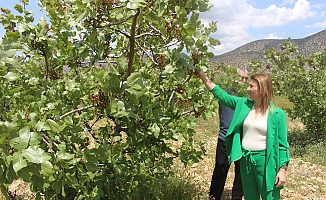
(284, 167)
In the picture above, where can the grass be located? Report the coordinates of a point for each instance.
(308, 146)
(282, 102)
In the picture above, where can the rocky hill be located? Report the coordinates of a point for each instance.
(241, 56)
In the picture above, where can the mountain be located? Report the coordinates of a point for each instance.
(255, 50)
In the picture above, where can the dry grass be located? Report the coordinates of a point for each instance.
(19, 190)
(305, 180)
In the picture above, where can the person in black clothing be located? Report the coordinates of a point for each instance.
(221, 160)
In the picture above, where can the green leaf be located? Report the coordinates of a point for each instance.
(155, 129)
(190, 29)
(164, 120)
(113, 70)
(135, 4)
(91, 166)
(10, 127)
(19, 8)
(11, 61)
(11, 174)
(64, 156)
(203, 6)
(132, 98)
(71, 2)
(68, 120)
(37, 183)
(55, 127)
(162, 8)
(194, 19)
(189, 40)
(33, 117)
(70, 85)
(22, 28)
(3, 138)
(14, 91)
(169, 69)
(35, 154)
(114, 81)
(18, 161)
(214, 41)
(24, 174)
(47, 169)
(25, 133)
(35, 138)
(85, 54)
(22, 141)
(11, 76)
(42, 126)
(134, 78)
(184, 60)
(136, 93)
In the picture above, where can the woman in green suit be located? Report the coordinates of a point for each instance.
(257, 136)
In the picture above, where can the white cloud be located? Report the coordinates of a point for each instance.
(278, 16)
(273, 36)
(318, 5)
(231, 42)
(244, 14)
(317, 25)
(236, 17)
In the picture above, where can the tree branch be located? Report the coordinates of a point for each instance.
(132, 43)
(187, 113)
(171, 96)
(121, 22)
(150, 34)
(148, 56)
(73, 111)
(45, 140)
(122, 32)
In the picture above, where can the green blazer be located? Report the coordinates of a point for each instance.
(277, 152)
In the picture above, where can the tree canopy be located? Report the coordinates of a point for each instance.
(98, 98)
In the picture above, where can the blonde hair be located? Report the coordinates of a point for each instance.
(266, 90)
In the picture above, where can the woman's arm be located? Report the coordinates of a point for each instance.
(284, 157)
(224, 98)
(208, 82)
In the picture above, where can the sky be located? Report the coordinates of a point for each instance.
(242, 21)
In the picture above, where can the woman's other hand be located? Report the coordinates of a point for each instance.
(280, 178)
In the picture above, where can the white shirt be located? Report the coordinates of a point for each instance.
(255, 131)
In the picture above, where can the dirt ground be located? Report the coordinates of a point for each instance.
(305, 181)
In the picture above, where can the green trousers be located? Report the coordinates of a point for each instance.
(252, 167)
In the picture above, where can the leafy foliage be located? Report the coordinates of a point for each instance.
(75, 127)
(302, 80)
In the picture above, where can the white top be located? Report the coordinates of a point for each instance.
(255, 131)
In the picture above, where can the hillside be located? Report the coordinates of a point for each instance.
(255, 50)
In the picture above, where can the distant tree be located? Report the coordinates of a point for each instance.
(302, 80)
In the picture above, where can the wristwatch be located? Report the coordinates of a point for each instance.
(284, 167)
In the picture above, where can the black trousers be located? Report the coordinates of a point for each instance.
(220, 173)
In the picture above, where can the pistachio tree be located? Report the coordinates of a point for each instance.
(301, 79)
(98, 97)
